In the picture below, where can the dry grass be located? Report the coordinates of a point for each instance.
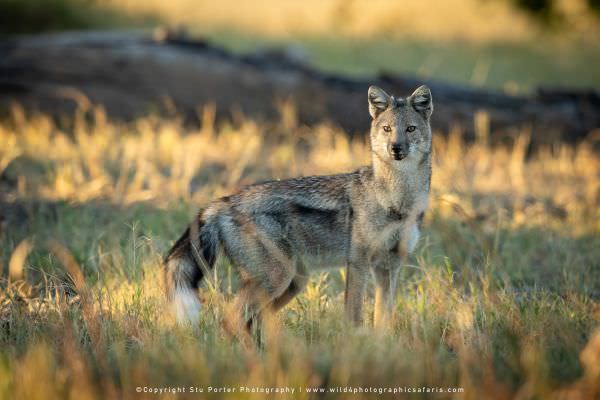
(501, 297)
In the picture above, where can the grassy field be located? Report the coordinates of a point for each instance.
(499, 300)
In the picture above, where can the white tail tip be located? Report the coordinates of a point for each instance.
(186, 306)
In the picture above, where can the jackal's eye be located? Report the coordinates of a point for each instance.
(387, 128)
(411, 128)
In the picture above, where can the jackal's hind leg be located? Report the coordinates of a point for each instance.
(258, 294)
(296, 286)
(234, 321)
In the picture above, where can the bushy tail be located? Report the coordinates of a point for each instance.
(190, 257)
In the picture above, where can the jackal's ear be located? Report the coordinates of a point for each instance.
(422, 102)
(379, 101)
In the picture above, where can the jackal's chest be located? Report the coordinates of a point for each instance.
(394, 231)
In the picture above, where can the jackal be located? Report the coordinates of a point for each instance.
(276, 232)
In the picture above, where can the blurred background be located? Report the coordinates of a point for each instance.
(120, 119)
(511, 45)
(522, 62)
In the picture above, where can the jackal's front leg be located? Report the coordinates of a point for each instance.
(356, 280)
(385, 295)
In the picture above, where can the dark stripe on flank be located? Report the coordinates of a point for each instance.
(324, 215)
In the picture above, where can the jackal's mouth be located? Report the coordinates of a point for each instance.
(399, 156)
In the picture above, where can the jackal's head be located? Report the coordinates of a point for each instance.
(400, 127)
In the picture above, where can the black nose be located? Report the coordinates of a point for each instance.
(398, 150)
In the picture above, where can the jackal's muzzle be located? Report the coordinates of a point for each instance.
(398, 151)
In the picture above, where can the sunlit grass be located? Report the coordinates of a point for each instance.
(500, 298)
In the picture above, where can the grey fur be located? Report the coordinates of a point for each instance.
(276, 232)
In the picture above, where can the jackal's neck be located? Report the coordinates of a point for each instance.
(394, 180)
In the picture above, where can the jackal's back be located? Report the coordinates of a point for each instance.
(307, 218)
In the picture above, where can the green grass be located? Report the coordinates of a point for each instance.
(515, 67)
(499, 299)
